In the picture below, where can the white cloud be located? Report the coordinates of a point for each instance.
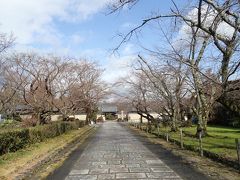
(91, 54)
(33, 21)
(77, 38)
(83, 9)
(223, 28)
(30, 18)
(185, 32)
(119, 66)
(128, 49)
(34, 24)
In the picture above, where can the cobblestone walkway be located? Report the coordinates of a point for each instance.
(116, 154)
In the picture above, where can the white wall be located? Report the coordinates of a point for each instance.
(121, 115)
(81, 117)
(135, 117)
(27, 116)
(99, 115)
(56, 117)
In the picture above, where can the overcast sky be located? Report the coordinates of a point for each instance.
(79, 28)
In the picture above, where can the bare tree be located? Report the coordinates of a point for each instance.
(6, 41)
(167, 83)
(9, 85)
(209, 17)
(139, 95)
(47, 84)
(205, 22)
(36, 82)
(80, 89)
(90, 88)
(6, 89)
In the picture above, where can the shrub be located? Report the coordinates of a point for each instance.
(9, 123)
(29, 121)
(235, 122)
(81, 123)
(100, 119)
(111, 117)
(13, 140)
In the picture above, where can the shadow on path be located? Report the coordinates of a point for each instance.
(176, 163)
(64, 170)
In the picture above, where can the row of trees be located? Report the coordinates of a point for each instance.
(196, 70)
(47, 84)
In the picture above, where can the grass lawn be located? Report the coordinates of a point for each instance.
(11, 163)
(221, 140)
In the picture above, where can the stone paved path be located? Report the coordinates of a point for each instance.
(115, 153)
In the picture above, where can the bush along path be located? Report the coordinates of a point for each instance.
(13, 140)
(39, 159)
(209, 166)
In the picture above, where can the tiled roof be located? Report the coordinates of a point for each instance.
(109, 108)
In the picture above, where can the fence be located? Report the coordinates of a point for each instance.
(198, 147)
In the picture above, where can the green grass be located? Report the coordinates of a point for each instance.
(220, 140)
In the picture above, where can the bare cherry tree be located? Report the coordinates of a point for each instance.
(79, 89)
(36, 82)
(139, 95)
(167, 81)
(7, 91)
(90, 88)
(6, 41)
(204, 25)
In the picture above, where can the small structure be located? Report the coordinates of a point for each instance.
(109, 111)
(122, 115)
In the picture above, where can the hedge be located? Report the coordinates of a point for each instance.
(13, 140)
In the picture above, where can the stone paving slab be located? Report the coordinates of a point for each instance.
(130, 175)
(116, 154)
(106, 176)
(79, 172)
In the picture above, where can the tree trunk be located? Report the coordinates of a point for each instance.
(141, 119)
(40, 118)
(64, 117)
(202, 128)
(87, 119)
(202, 106)
(174, 126)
